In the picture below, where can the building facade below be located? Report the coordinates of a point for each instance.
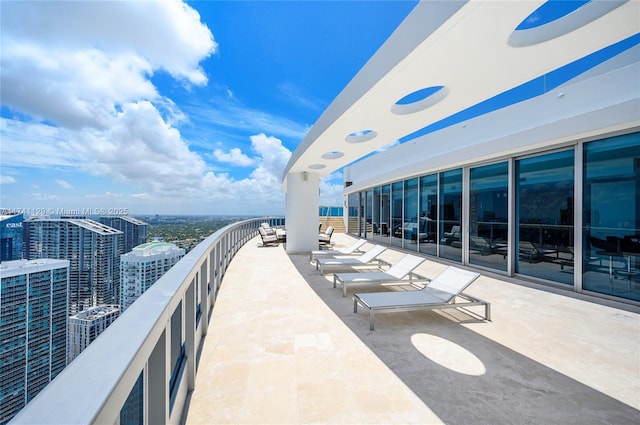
(143, 266)
(134, 231)
(33, 329)
(93, 250)
(87, 325)
(11, 237)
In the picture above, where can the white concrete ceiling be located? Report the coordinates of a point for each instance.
(464, 46)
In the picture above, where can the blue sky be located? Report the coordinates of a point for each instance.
(172, 107)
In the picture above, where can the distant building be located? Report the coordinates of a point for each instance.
(85, 327)
(140, 268)
(11, 237)
(33, 329)
(93, 250)
(134, 231)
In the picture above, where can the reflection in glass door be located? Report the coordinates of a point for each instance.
(352, 221)
(488, 216)
(449, 218)
(396, 214)
(544, 211)
(410, 219)
(611, 217)
(368, 211)
(429, 214)
(376, 213)
(385, 213)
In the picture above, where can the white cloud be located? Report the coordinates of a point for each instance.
(75, 63)
(7, 179)
(82, 71)
(77, 78)
(64, 184)
(233, 157)
(168, 34)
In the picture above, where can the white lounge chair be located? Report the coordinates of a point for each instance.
(267, 227)
(350, 250)
(441, 292)
(367, 258)
(268, 238)
(396, 273)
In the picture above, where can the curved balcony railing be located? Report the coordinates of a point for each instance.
(142, 368)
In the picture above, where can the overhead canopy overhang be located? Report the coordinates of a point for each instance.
(451, 57)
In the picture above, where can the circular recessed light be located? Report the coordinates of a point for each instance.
(332, 155)
(317, 166)
(419, 100)
(361, 136)
(555, 18)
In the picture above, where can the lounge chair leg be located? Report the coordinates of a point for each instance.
(371, 319)
(487, 311)
(355, 305)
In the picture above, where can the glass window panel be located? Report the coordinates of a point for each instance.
(385, 213)
(368, 214)
(488, 215)
(377, 194)
(544, 211)
(132, 413)
(410, 220)
(363, 221)
(352, 221)
(429, 214)
(611, 220)
(396, 213)
(449, 219)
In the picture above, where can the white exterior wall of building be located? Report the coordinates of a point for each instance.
(143, 266)
(302, 203)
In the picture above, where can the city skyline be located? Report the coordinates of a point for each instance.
(196, 114)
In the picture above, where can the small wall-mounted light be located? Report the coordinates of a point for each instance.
(305, 176)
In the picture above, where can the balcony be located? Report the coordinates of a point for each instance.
(280, 345)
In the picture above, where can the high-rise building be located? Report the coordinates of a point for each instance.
(140, 268)
(33, 329)
(134, 231)
(93, 250)
(85, 327)
(11, 237)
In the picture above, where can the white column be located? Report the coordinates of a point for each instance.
(302, 203)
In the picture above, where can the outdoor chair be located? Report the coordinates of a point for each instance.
(368, 258)
(268, 239)
(350, 250)
(398, 272)
(325, 237)
(267, 227)
(480, 245)
(440, 293)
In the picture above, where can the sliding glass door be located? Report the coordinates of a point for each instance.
(544, 216)
(488, 216)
